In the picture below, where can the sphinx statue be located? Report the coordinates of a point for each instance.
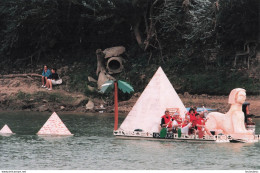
(231, 123)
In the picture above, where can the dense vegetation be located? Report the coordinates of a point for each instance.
(195, 41)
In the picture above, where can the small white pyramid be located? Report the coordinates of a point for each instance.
(158, 95)
(6, 130)
(54, 126)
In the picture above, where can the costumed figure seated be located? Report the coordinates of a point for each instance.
(200, 124)
(184, 124)
(166, 120)
(231, 123)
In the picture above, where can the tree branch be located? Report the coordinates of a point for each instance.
(21, 75)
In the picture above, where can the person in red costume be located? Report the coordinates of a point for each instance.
(166, 120)
(200, 123)
(193, 127)
(191, 114)
(195, 110)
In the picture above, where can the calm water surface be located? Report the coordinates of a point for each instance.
(93, 146)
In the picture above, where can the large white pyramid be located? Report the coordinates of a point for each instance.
(158, 95)
(54, 126)
(6, 130)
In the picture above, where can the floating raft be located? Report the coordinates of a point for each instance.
(143, 121)
(174, 137)
(54, 126)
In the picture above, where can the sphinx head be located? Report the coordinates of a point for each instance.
(237, 96)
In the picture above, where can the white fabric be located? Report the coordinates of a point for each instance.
(158, 95)
(174, 123)
(56, 82)
(185, 130)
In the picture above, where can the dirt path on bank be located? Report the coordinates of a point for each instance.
(11, 86)
(26, 93)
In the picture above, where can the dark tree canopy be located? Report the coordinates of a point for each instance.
(184, 36)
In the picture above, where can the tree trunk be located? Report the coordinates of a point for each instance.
(137, 32)
(21, 75)
(100, 61)
(258, 23)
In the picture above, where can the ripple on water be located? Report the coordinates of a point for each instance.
(92, 147)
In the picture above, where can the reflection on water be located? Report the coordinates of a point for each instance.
(93, 146)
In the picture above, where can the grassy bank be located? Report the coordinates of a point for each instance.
(194, 81)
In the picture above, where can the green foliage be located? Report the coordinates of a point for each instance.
(200, 22)
(52, 97)
(39, 31)
(23, 96)
(237, 22)
(79, 79)
(185, 29)
(59, 98)
(171, 21)
(218, 83)
(35, 32)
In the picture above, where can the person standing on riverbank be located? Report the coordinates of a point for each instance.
(45, 74)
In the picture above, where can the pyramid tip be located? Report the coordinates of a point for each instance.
(159, 70)
(54, 113)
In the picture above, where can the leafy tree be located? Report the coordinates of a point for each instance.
(180, 32)
(184, 28)
(36, 30)
(237, 21)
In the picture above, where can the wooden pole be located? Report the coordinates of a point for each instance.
(116, 106)
(20, 75)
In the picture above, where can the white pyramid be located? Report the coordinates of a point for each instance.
(6, 130)
(54, 126)
(158, 95)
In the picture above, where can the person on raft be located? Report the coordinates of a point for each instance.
(166, 120)
(169, 122)
(191, 115)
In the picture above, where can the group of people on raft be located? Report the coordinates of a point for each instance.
(193, 122)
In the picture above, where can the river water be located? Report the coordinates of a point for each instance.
(94, 147)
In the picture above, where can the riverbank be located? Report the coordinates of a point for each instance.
(26, 94)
